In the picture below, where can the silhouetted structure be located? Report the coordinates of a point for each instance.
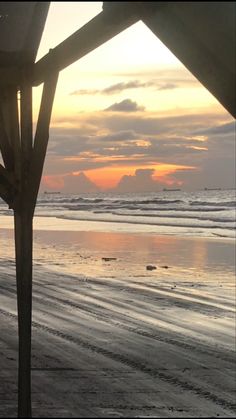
(200, 34)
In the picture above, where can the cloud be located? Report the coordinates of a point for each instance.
(115, 88)
(81, 92)
(127, 105)
(228, 128)
(178, 76)
(133, 84)
(79, 183)
(166, 79)
(168, 86)
(205, 141)
(139, 182)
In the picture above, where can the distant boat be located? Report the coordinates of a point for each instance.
(212, 189)
(51, 192)
(171, 190)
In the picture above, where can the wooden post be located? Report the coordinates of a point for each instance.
(41, 136)
(20, 180)
(23, 246)
(31, 167)
(23, 221)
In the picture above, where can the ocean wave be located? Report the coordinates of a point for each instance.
(174, 216)
(214, 204)
(68, 200)
(150, 221)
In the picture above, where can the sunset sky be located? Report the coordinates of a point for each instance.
(129, 117)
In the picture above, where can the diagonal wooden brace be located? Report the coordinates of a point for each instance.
(42, 136)
(5, 147)
(8, 187)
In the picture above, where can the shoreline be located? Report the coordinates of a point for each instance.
(52, 223)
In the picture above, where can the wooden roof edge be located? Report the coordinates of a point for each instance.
(36, 29)
(9, 76)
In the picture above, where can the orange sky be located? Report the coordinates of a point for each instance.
(130, 105)
(109, 177)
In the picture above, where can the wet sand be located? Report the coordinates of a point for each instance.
(113, 339)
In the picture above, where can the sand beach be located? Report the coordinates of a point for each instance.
(112, 338)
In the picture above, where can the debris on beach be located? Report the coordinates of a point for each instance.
(108, 259)
(150, 267)
(165, 267)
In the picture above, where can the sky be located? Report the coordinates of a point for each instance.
(129, 117)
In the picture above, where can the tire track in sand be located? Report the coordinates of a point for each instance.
(144, 332)
(132, 363)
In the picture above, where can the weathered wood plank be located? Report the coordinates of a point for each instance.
(98, 30)
(42, 136)
(23, 219)
(26, 116)
(9, 100)
(8, 176)
(15, 129)
(4, 193)
(23, 249)
(9, 76)
(26, 137)
(8, 187)
(5, 147)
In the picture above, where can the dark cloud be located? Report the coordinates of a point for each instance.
(141, 181)
(55, 165)
(229, 128)
(79, 183)
(115, 88)
(166, 79)
(127, 105)
(119, 87)
(151, 124)
(168, 86)
(118, 136)
(206, 141)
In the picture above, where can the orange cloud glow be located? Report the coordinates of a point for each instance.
(109, 177)
(52, 182)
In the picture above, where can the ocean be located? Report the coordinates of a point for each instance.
(205, 213)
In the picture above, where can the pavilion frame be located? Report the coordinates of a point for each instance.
(24, 156)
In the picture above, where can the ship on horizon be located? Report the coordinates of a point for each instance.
(212, 189)
(51, 192)
(171, 190)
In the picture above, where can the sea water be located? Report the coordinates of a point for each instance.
(205, 213)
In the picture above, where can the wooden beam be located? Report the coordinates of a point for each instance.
(23, 221)
(9, 76)
(8, 176)
(5, 147)
(26, 116)
(26, 136)
(4, 193)
(8, 186)
(32, 160)
(100, 29)
(15, 129)
(42, 136)
(10, 120)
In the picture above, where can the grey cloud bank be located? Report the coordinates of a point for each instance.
(203, 141)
